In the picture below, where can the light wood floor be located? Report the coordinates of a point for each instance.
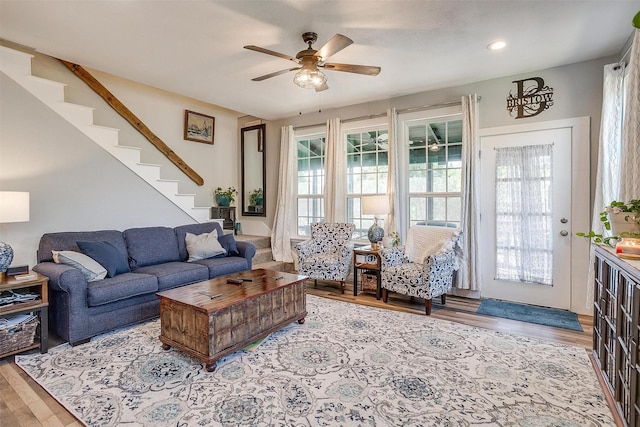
(23, 403)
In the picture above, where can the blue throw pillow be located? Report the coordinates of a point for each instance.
(106, 255)
(229, 244)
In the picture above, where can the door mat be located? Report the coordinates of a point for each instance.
(530, 313)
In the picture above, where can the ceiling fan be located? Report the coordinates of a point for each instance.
(309, 60)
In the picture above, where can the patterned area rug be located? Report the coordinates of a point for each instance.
(346, 365)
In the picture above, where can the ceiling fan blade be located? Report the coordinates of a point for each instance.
(325, 86)
(271, 52)
(334, 45)
(350, 68)
(277, 73)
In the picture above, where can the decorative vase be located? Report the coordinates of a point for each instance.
(6, 256)
(222, 200)
(619, 223)
(375, 234)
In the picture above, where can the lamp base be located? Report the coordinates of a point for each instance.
(375, 235)
(6, 256)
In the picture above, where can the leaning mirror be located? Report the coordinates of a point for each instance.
(252, 145)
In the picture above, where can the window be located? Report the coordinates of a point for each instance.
(367, 172)
(310, 193)
(435, 171)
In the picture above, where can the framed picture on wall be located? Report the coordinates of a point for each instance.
(198, 127)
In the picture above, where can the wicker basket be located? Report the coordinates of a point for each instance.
(369, 281)
(15, 337)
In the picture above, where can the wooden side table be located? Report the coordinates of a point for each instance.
(37, 285)
(366, 258)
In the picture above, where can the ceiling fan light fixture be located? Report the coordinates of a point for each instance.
(310, 78)
(496, 45)
(434, 147)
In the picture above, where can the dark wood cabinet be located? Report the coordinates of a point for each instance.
(227, 213)
(616, 333)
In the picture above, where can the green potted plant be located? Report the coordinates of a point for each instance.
(392, 240)
(225, 197)
(256, 197)
(622, 219)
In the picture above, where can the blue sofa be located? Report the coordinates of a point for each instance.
(157, 259)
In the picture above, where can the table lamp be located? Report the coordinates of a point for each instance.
(14, 207)
(375, 205)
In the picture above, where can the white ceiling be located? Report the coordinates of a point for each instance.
(195, 47)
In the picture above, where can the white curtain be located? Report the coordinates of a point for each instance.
(524, 237)
(609, 174)
(630, 171)
(335, 186)
(469, 276)
(281, 231)
(395, 222)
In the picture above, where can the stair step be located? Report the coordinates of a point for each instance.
(49, 90)
(263, 255)
(261, 242)
(15, 62)
(105, 136)
(79, 115)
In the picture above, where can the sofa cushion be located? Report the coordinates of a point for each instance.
(221, 266)
(228, 243)
(151, 245)
(172, 274)
(203, 246)
(119, 288)
(181, 231)
(67, 241)
(91, 269)
(107, 256)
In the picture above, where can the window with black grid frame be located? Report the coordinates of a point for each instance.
(435, 171)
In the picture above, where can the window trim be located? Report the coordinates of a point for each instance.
(306, 133)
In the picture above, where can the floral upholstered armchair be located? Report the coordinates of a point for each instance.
(426, 266)
(327, 255)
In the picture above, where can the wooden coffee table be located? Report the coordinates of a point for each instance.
(211, 319)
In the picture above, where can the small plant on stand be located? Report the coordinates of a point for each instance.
(256, 197)
(225, 197)
(629, 214)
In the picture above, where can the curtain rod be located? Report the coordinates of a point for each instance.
(401, 111)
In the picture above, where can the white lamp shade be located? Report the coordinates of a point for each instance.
(14, 206)
(375, 205)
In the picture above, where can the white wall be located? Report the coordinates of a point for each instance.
(75, 185)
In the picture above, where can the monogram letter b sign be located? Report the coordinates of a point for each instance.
(532, 98)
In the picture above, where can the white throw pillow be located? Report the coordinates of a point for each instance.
(91, 269)
(203, 246)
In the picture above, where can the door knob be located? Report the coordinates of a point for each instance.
(564, 233)
(564, 220)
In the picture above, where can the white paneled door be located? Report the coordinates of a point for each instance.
(526, 216)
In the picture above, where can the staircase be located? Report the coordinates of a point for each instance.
(264, 256)
(17, 66)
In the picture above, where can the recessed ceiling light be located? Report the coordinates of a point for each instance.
(496, 45)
